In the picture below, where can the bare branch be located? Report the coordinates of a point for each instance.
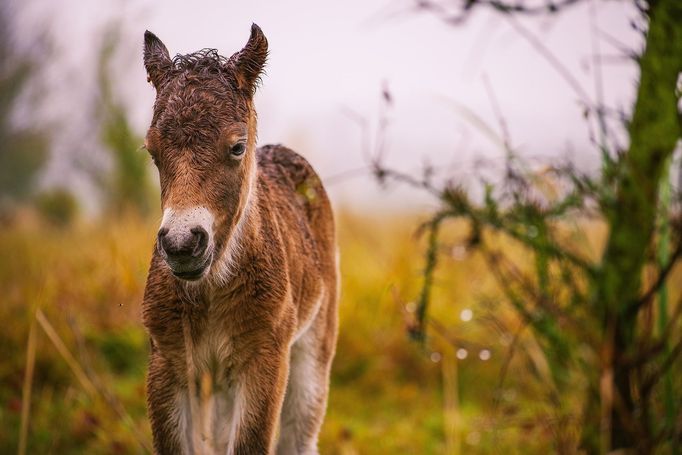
(660, 281)
(461, 10)
(429, 270)
(668, 362)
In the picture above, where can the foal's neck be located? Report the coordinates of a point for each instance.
(245, 240)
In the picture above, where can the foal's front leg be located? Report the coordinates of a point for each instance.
(260, 397)
(162, 389)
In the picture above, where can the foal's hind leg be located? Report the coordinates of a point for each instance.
(306, 396)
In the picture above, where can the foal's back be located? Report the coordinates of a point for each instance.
(293, 198)
(304, 218)
(296, 192)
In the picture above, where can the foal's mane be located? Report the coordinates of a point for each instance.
(205, 62)
(209, 63)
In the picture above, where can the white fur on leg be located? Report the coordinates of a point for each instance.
(304, 400)
(209, 426)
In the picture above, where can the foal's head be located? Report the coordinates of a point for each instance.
(202, 140)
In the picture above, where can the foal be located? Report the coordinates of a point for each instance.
(241, 296)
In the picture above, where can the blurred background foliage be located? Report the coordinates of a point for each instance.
(128, 186)
(487, 376)
(23, 148)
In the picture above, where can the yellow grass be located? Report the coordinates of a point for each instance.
(87, 383)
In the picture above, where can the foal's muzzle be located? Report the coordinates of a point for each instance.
(185, 245)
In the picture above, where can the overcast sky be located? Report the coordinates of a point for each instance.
(331, 58)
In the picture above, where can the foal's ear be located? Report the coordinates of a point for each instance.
(157, 61)
(248, 63)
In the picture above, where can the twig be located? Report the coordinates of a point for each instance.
(660, 281)
(383, 173)
(66, 355)
(617, 44)
(84, 380)
(26, 390)
(554, 62)
(504, 129)
(464, 8)
(431, 262)
(654, 377)
(647, 355)
(598, 79)
(504, 369)
(546, 248)
(455, 342)
(345, 175)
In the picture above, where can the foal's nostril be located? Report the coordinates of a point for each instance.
(200, 239)
(162, 241)
(183, 245)
(162, 233)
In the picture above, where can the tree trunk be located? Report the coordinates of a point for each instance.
(654, 131)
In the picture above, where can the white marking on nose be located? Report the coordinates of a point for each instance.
(178, 222)
(179, 230)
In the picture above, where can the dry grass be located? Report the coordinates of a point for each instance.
(84, 367)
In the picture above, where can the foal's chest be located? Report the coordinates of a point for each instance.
(210, 345)
(208, 408)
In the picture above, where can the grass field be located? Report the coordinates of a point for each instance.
(389, 394)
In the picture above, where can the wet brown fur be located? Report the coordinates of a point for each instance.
(235, 329)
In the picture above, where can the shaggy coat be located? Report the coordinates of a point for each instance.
(241, 297)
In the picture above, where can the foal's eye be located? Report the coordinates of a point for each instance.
(238, 149)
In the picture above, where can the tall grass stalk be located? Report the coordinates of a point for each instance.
(87, 384)
(451, 412)
(66, 354)
(663, 259)
(26, 390)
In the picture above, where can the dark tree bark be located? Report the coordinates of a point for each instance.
(654, 131)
